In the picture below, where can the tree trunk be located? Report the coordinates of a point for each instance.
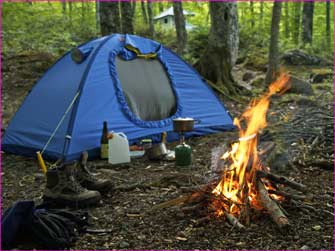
(126, 18)
(252, 20)
(273, 68)
(180, 27)
(144, 12)
(70, 13)
(97, 15)
(160, 6)
(64, 8)
(307, 22)
(220, 56)
(261, 15)
(133, 8)
(82, 11)
(109, 18)
(287, 18)
(296, 22)
(328, 24)
(151, 20)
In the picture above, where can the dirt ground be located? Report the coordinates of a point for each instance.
(127, 211)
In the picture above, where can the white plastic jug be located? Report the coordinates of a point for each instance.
(118, 149)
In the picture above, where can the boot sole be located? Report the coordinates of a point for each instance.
(58, 202)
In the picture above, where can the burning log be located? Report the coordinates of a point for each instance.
(281, 179)
(271, 206)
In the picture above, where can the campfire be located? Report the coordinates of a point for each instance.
(240, 187)
(244, 183)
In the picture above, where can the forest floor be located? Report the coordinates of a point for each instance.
(127, 211)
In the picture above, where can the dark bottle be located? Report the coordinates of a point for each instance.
(104, 142)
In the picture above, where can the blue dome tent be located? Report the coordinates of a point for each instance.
(135, 84)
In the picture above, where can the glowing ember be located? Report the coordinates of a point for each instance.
(237, 187)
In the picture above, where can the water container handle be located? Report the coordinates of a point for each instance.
(122, 135)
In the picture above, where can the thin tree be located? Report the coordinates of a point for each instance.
(97, 15)
(144, 12)
(328, 24)
(307, 22)
(252, 14)
(126, 18)
(180, 26)
(287, 18)
(133, 8)
(273, 68)
(296, 22)
(64, 7)
(160, 6)
(151, 19)
(221, 53)
(261, 14)
(109, 18)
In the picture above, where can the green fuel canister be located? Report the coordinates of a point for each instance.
(183, 154)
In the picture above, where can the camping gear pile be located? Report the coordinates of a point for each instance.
(113, 82)
(49, 228)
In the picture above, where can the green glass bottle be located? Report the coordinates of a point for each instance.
(183, 154)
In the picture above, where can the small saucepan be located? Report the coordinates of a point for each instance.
(184, 124)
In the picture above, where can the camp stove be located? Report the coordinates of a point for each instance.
(183, 152)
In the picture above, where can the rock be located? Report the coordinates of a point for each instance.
(300, 86)
(319, 77)
(298, 57)
(248, 75)
(124, 244)
(304, 247)
(316, 228)
(258, 81)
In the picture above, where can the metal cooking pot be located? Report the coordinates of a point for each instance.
(184, 124)
(158, 151)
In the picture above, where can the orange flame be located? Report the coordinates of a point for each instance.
(243, 155)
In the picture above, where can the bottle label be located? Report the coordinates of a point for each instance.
(104, 151)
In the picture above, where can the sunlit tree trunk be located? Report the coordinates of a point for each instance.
(328, 24)
(307, 22)
(127, 18)
(273, 68)
(109, 18)
(180, 26)
(287, 18)
(144, 12)
(221, 53)
(151, 20)
(296, 22)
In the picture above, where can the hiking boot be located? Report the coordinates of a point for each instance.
(89, 180)
(62, 188)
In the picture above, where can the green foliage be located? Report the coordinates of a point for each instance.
(43, 26)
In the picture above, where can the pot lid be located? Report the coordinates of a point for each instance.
(183, 119)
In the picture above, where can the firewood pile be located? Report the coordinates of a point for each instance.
(270, 193)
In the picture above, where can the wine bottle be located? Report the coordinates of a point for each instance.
(104, 142)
